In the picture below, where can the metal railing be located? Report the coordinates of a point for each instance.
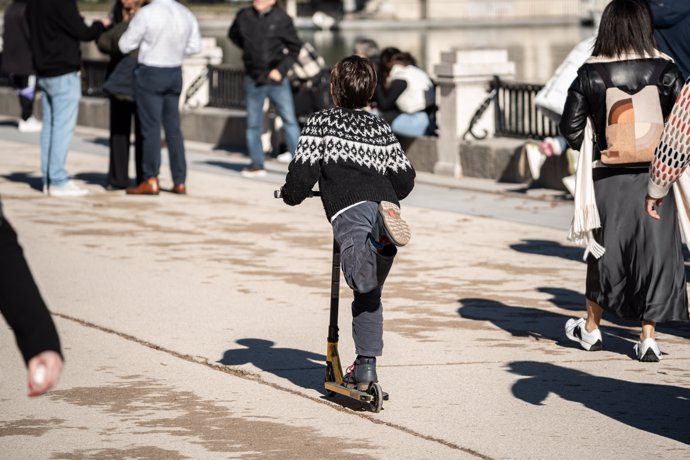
(515, 113)
(226, 86)
(92, 77)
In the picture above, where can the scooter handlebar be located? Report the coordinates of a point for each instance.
(279, 193)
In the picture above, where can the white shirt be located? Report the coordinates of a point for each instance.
(413, 99)
(165, 33)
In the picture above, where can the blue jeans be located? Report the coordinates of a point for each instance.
(60, 109)
(365, 271)
(280, 96)
(157, 94)
(411, 124)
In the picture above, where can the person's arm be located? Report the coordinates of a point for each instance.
(25, 311)
(671, 157)
(293, 45)
(73, 24)
(194, 42)
(305, 169)
(134, 34)
(386, 100)
(235, 31)
(574, 117)
(667, 13)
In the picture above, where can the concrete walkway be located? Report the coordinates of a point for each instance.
(194, 327)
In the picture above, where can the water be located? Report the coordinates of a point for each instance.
(536, 50)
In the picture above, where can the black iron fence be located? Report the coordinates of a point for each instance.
(516, 114)
(226, 86)
(92, 77)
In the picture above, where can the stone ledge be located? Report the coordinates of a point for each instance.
(220, 127)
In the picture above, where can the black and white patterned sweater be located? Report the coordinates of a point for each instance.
(353, 155)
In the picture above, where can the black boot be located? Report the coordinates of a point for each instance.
(362, 373)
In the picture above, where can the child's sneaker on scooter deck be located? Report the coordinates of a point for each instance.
(361, 373)
(395, 228)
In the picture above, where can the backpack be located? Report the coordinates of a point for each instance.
(308, 65)
(634, 122)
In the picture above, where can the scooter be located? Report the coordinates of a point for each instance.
(334, 382)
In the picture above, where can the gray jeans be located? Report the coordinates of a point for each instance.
(365, 271)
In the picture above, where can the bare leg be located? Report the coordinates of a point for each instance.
(648, 328)
(594, 313)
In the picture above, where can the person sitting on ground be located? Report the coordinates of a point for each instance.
(406, 97)
(362, 173)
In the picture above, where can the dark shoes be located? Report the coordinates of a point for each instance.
(148, 187)
(180, 189)
(362, 373)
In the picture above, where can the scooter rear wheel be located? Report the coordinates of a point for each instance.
(377, 393)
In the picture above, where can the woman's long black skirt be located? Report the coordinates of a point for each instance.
(641, 276)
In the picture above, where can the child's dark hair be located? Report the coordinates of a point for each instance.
(626, 27)
(353, 81)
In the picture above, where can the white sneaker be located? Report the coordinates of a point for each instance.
(253, 171)
(647, 351)
(575, 330)
(31, 125)
(285, 157)
(69, 188)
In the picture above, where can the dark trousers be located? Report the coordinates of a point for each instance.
(121, 113)
(365, 271)
(157, 92)
(26, 91)
(20, 301)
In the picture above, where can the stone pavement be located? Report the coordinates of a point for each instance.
(194, 327)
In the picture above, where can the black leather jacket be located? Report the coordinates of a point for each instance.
(587, 95)
(263, 39)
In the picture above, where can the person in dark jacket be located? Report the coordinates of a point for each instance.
(264, 31)
(641, 274)
(56, 28)
(25, 311)
(120, 88)
(17, 63)
(672, 30)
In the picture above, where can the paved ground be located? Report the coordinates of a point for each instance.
(194, 327)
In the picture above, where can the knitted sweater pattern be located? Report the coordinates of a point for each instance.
(672, 155)
(353, 155)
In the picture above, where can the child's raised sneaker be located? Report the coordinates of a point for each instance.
(397, 230)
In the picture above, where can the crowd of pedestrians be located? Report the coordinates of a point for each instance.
(626, 112)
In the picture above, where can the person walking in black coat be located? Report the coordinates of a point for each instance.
(17, 63)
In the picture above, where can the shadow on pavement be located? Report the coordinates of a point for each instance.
(34, 182)
(549, 248)
(297, 366)
(94, 178)
(227, 165)
(654, 408)
(540, 324)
